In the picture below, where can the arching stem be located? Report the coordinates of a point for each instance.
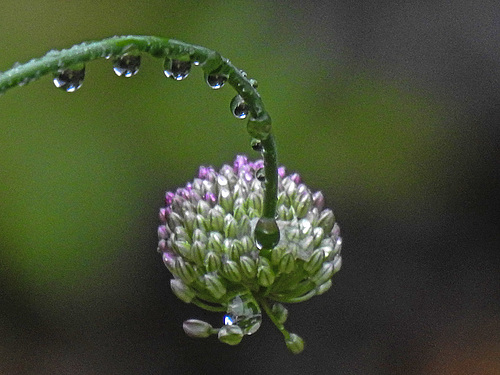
(259, 123)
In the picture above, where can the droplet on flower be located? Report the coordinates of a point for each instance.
(127, 65)
(70, 79)
(239, 107)
(176, 69)
(215, 80)
(244, 312)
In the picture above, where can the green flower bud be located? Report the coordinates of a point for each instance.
(326, 220)
(226, 199)
(239, 209)
(182, 291)
(318, 235)
(189, 220)
(202, 208)
(324, 274)
(230, 226)
(282, 213)
(287, 263)
(304, 204)
(237, 249)
(212, 261)
(215, 220)
(265, 275)
(215, 242)
(280, 313)
(244, 226)
(197, 328)
(277, 254)
(230, 334)
(202, 222)
(214, 285)
(254, 201)
(183, 248)
(248, 267)
(175, 220)
(200, 235)
(319, 200)
(248, 244)
(184, 271)
(231, 271)
(198, 252)
(295, 343)
(180, 234)
(323, 287)
(315, 261)
(283, 200)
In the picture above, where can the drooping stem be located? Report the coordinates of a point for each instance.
(270, 314)
(259, 123)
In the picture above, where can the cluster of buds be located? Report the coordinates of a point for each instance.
(207, 242)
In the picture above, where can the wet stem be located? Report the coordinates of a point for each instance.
(259, 124)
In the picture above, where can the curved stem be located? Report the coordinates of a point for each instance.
(267, 309)
(259, 123)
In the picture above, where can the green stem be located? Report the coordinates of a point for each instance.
(267, 309)
(207, 307)
(259, 123)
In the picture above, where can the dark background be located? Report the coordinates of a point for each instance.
(390, 108)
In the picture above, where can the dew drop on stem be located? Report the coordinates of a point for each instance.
(176, 69)
(267, 233)
(260, 174)
(70, 79)
(256, 145)
(127, 65)
(239, 107)
(215, 80)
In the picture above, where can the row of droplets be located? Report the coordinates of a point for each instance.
(71, 79)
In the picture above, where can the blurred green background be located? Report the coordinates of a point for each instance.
(391, 109)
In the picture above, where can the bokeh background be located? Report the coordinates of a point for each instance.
(390, 108)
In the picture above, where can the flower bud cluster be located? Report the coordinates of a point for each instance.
(206, 238)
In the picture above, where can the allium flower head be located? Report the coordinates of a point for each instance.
(206, 238)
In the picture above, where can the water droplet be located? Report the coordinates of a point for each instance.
(177, 69)
(256, 145)
(215, 80)
(254, 83)
(244, 312)
(260, 174)
(69, 79)
(127, 65)
(267, 233)
(239, 107)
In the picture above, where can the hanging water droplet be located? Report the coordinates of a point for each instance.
(70, 79)
(267, 233)
(127, 65)
(215, 80)
(260, 174)
(176, 69)
(239, 107)
(244, 312)
(256, 145)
